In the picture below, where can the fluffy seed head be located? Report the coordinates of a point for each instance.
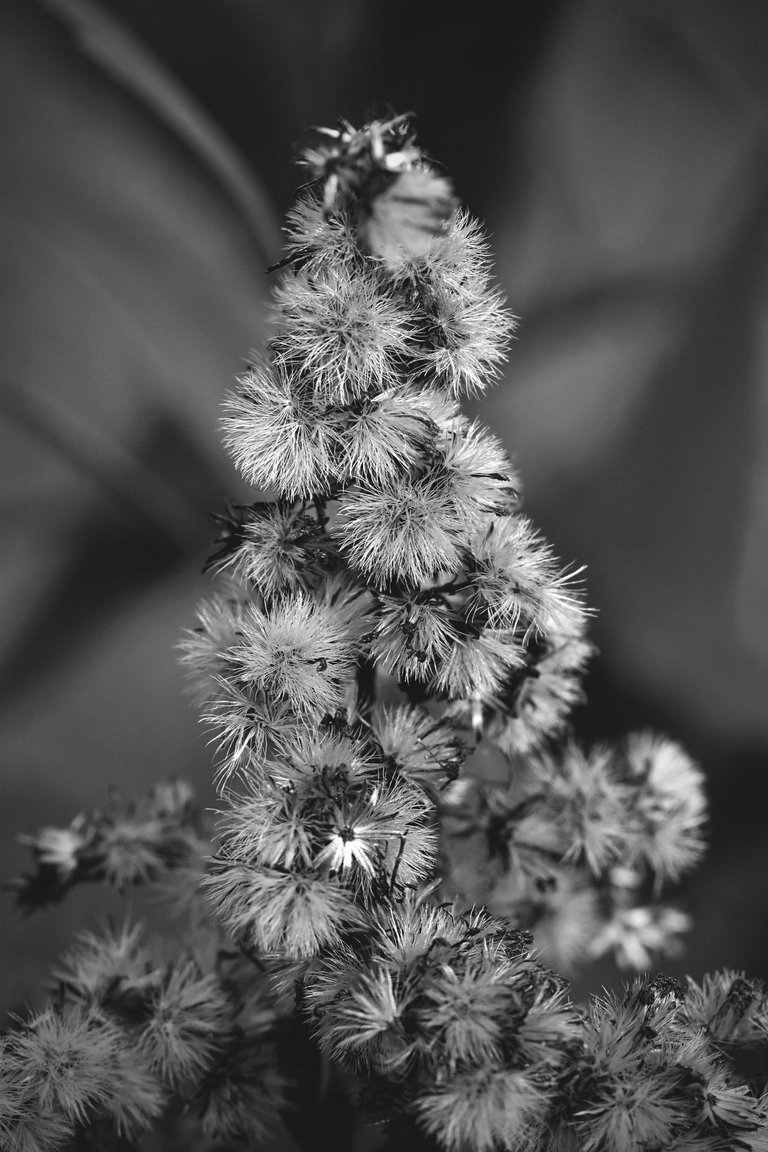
(279, 437)
(340, 332)
(400, 531)
(296, 652)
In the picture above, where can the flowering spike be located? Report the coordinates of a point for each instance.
(409, 832)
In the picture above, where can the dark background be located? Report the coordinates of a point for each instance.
(616, 152)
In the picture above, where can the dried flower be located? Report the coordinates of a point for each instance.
(518, 583)
(587, 800)
(341, 331)
(669, 808)
(280, 437)
(68, 1061)
(59, 848)
(189, 1020)
(484, 1109)
(423, 749)
(399, 531)
(636, 934)
(280, 913)
(296, 653)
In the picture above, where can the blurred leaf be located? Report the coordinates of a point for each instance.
(129, 62)
(131, 285)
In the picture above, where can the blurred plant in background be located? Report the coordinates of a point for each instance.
(410, 834)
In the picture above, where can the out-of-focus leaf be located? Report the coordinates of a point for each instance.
(128, 61)
(132, 287)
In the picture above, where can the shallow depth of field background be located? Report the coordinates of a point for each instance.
(617, 152)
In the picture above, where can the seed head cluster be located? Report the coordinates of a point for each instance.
(409, 838)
